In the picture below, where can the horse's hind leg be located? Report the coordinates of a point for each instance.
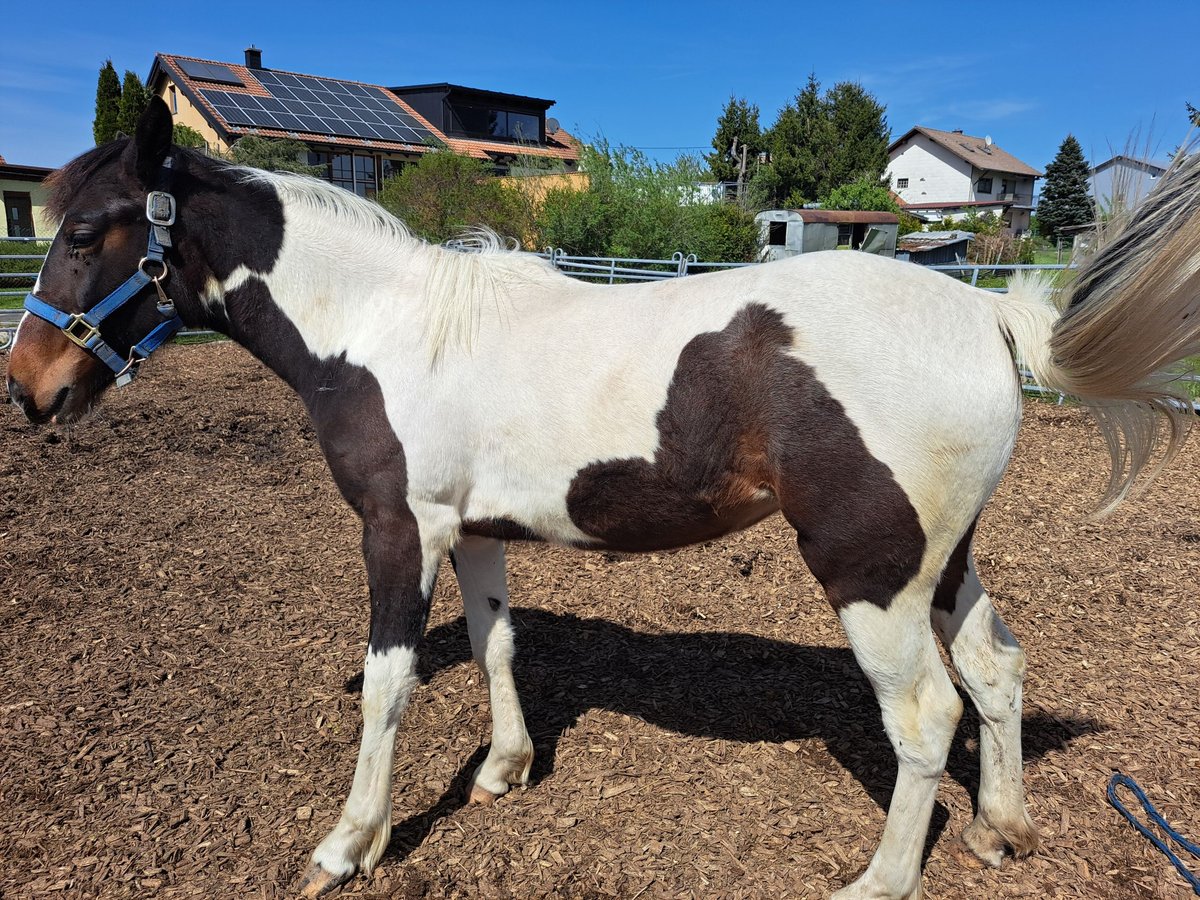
(991, 665)
(479, 565)
(896, 649)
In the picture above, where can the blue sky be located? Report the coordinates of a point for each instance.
(652, 75)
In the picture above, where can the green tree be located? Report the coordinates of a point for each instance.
(272, 155)
(737, 127)
(1193, 114)
(444, 194)
(820, 142)
(108, 104)
(860, 135)
(637, 208)
(1066, 200)
(186, 136)
(864, 193)
(134, 99)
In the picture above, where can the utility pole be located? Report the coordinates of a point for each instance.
(741, 179)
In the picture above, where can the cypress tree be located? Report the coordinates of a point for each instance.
(134, 99)
(1066, 199)
(108, 102)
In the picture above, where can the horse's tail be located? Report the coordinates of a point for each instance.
(1131, 313)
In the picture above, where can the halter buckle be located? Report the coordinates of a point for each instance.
(80, 331)
(160, 208)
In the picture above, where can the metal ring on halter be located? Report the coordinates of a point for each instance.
(133, 362)
(157, 262)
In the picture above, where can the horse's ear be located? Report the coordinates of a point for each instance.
(152, 141)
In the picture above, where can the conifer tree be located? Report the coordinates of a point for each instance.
(738, 122)
(819, 143)
(108, 103)
(134, 99)
(1066, 198)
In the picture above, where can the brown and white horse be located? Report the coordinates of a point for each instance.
(467, 399)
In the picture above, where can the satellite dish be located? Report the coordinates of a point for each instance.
(551, 126)
(987, 140)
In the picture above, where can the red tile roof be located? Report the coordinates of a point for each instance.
(974, 150)
(559, 144)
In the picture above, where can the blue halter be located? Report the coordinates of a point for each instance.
(83, 329)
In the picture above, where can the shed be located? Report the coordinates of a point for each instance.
(934, 248)
(788, 232)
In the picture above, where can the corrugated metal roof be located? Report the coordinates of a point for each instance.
(918, 241)
(846, 216)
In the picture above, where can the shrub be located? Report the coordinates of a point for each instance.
(445, 194)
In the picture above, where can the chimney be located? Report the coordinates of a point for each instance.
(955, 131)
(253, 57)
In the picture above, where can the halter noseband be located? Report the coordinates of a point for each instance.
(83, 329)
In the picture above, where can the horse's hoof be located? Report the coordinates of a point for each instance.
(481, 796)
(319, 883)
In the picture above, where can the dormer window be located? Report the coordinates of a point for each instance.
(505, 124)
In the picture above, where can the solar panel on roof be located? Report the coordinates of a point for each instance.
(209, 71)
(319, 106)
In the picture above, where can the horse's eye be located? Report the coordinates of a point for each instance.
(82, 238)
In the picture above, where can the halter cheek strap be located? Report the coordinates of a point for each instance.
(83, 329)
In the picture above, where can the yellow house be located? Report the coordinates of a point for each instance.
(360, 134)
(24, 200)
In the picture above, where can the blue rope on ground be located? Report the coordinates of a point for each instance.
(1119, 780)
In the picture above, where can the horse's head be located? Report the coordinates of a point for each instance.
(101, 200)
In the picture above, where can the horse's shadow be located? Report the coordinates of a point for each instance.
(716, 685)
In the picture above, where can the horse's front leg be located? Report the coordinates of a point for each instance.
(479, 566)
(402, 561)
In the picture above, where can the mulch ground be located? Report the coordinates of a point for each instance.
(183, 613)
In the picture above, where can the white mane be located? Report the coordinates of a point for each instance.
(458, 283)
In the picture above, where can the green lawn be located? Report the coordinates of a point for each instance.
(18, 286)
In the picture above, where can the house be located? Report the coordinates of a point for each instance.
(1124, 180)
(360, 133)
(24, 199)
(788, 232)
(946, 174)
(934, 248)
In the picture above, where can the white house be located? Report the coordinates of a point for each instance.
(1125, 180)
(946, 174)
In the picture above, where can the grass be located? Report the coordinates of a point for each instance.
(10, 266)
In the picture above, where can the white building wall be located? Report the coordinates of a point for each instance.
(935, 175)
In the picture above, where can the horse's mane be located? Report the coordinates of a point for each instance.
(66, 182)
(458, 282)
(457, 286)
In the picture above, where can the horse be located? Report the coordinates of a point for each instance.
(463, 400)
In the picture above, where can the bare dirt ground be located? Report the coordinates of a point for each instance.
(182, 614)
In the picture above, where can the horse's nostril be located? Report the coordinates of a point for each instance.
(16, 392)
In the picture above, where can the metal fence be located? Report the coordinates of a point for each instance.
(612, 270)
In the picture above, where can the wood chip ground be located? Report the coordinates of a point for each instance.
(183, 613)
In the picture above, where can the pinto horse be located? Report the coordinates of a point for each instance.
(467, 399)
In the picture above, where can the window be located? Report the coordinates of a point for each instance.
(901, 183)
(174, 101)
(365, 183)
(1006, 186)
(390, 168)
(355, 172)
(483, 121)
(777, 234)
(983, 186)
(18, 214)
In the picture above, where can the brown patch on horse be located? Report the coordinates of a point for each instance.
(500, 529)
(43, 365)
(955, 574)
(748, 429)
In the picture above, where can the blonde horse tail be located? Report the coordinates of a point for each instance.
(1131, 314)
